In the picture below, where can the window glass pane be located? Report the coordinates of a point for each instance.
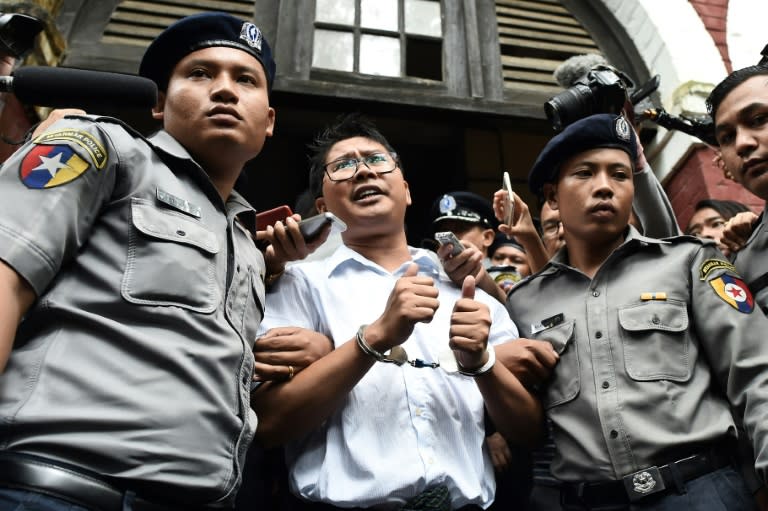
(422, 17)
(335, 11)
(333, 50)
(379, 55)
(381, 14)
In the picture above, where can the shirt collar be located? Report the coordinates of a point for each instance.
(344, 257)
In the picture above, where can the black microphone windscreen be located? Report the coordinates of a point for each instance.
(61, 87)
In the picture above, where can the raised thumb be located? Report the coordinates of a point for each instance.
(412, 270)
(468, 287)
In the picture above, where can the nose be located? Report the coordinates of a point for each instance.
(710, 233)
(745, 142)
(223, 89)
(363, 171)
(602, 182)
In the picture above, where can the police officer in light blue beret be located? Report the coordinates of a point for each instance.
(132, 289)
(657, 341)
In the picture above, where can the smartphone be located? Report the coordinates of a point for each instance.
(272, 216)
(448, 237)
(311, 227)
(509, 204)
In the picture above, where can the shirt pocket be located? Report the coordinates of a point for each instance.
(171, 260)
(565, 383)
(656, 342)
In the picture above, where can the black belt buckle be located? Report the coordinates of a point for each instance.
(643, 483)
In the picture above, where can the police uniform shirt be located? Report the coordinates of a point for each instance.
(135, 361)
(632, 388)
(752, 263)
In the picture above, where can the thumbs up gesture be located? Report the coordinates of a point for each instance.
(470, 327)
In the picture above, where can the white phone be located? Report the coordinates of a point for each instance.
(509, 204)
(311, 227)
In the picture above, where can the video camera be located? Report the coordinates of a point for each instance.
(17, 33)
(603, 89)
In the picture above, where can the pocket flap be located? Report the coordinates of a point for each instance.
(654, 315)
(173, 227)
(558, 336)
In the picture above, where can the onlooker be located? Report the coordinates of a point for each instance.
(385, 419)
(469, 216)
(709, 219)
(132, 289)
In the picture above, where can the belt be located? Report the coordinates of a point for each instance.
(655, 480)
(67, 483)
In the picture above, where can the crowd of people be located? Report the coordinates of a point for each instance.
(158, 352)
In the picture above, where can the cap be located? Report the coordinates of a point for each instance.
(595, 131)
(201, 31)
(466, 207)
(501, 240)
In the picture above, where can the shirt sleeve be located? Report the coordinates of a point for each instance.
(290, 302)
(732, 332)
(652, 206)
(51, 191)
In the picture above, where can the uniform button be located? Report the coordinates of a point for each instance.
(418, 412)
(655, 320)
(598, 334)
(606, 384)
(595, 293)
(181, 233)
(614, 433)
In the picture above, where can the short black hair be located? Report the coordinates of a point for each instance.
(343, 127)
(725, 208)
(732, 81)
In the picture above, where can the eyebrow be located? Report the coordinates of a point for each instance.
(741, 114)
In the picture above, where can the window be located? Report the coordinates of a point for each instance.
(393, 38)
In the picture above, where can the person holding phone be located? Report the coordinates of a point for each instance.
(393, 415)
(132, 289)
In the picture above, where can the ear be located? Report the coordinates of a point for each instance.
(407, 193)
(550, 195)
(270, 128)
(320, 205)
(159, 108)
(488, 237)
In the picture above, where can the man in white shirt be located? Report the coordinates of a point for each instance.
(363, 428)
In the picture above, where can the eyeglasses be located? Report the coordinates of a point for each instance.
(346, 168)
(550, 228)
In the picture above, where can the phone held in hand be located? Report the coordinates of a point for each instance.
(446, 237)
(312, 227)
(272, 216)
(509, 203)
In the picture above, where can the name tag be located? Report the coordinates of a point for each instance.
(547, 323)
(178, 203)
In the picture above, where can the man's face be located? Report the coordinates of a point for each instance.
(593, 194)
(477, 234)
(742, 131)
(369, 203)
(507, 255)
(217, 105)
(552, 229)
(708, 223)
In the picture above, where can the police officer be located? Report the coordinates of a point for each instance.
(132, 288)
(652, 335)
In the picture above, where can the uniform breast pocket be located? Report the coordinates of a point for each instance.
(656, 341)
(171, 260)
(565, 383)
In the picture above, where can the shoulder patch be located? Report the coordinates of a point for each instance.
(48, 166)
(84, 139)
(711, 265)
(734, 292)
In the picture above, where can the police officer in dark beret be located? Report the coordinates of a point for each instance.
(469, 216)
(657, 339)
(132, 288)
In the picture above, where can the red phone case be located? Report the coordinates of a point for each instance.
(272, 216)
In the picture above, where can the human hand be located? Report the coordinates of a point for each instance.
(530, 360)
(470, 328)
(54, 116)
(412, 300)
(283, 352)
(736, 232)
(468, 262)
(498, 448)
(522, 227)
(285, 243)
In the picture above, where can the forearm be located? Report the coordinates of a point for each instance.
(17, 296)
(291, 409)
(534, 249)
(515, 412)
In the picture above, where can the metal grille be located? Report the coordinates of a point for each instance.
(535, 36)
(138, 22)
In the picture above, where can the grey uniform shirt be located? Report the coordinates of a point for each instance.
(136, 359)
(633, 388)
(752, 262)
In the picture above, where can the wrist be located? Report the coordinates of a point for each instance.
(396, 355)
(490, 361)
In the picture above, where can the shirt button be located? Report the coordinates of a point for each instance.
(606, 384)
(418, 412)
(181, 233)
(614, 433)
(595, 293)
(598, 334)
(655, 320)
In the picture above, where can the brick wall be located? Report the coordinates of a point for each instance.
(713, 13)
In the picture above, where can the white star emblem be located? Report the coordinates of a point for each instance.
(52, 165)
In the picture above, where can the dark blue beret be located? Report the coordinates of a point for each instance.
(595, 131)
(501, 240)
(201, 31)
(466, 207)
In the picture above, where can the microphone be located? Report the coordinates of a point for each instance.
(61, 87)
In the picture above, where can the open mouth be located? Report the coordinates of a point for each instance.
(366, 192)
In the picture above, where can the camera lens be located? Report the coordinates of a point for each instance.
(570, 105)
